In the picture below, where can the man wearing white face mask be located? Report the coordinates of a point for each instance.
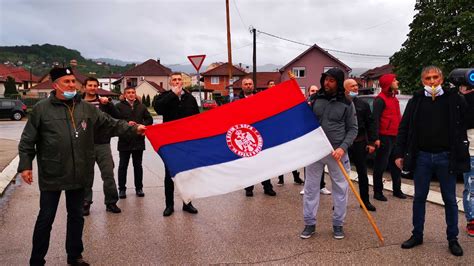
(364, 142)
(432, 139)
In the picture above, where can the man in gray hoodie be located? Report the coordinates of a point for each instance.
(337, 117)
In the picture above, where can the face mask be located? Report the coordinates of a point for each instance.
(353, 94)
(68, 95)
(436, 90)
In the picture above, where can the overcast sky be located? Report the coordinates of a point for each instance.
(136, 30)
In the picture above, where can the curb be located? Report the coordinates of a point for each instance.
(8, 174)
(409, 190)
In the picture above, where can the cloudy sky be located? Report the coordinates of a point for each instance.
(136, 30)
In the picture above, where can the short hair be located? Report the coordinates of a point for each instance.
(91, 79)
(430, 68)
(128, 88)
(244, 79)
(176, 74)
(309, 88)
(268, 83)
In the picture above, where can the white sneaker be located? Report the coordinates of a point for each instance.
(325, 191)
(302, 192)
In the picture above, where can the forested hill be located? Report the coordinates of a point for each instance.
(41, 58)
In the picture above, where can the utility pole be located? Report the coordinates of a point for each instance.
(254, 77)
(229, 52)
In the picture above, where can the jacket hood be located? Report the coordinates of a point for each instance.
(385, 81)
(338, 74)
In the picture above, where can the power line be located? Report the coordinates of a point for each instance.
(332, 50)
(238, 12)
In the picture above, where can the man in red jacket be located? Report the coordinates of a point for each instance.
(387, 119)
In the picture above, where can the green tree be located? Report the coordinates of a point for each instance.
(148, 101)
(441, 34)
(10, 87)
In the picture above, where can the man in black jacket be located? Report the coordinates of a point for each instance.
(248, 91)
(103, 153)
(431, 140)
(172, 105)
(60, 133)
(364, 142)
(134, 112)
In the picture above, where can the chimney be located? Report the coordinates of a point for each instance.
(158, 60)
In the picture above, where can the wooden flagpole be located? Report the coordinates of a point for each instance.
(369, 217)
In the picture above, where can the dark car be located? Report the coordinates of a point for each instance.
(13, 109)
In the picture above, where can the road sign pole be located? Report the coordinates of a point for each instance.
(199, 88)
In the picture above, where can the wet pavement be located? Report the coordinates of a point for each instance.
(230, 229)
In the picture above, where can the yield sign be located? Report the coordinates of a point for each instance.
(197, 60)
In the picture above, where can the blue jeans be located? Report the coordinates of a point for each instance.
(468, 193)
(427, 164)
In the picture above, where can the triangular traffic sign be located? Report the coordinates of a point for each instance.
(197, 60)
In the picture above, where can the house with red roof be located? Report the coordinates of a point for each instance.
(262, 80)
(150, 70)
(24, 79)
(216, 79)
(308, 67)
(45, 85)
(370, 78)
(148, 88)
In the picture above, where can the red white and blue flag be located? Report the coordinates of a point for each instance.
(240, 144)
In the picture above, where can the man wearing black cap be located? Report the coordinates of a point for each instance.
(60, 131)
(337, 117)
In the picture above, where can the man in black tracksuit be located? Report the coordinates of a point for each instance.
(172, 105)
(134, 112)
(364, 142)
(103, 152)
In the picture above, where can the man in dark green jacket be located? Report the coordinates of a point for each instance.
(60, 132)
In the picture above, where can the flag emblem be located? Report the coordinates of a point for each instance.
(244, 140)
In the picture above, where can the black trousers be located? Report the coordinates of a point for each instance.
(267, 185)
(358, 154)
(49, 201)
(169, 189)
(137, 157)
(383, 158)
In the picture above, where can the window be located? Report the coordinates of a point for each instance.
(42, 94)
(303, 91)
(132, 82)
(7, 104)
(214, 80)
(299, 72)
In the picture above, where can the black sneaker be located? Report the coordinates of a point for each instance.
(380, 197)
(168, 211)
(122, 194)
(399, 195)
(140, 193)
(86, 208)
(412, 242)
(249, 193)
(308, 231)
(113, 208)
(455, 248)
(337, 232)
(270, 192)
(77, 262)
(189, 208)
(297, 179)
(281, 181)
(369, 206)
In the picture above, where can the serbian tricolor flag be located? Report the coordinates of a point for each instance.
(240, 144)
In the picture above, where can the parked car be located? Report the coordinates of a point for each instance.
(209, 104)
(402, 99)
(13, 109)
